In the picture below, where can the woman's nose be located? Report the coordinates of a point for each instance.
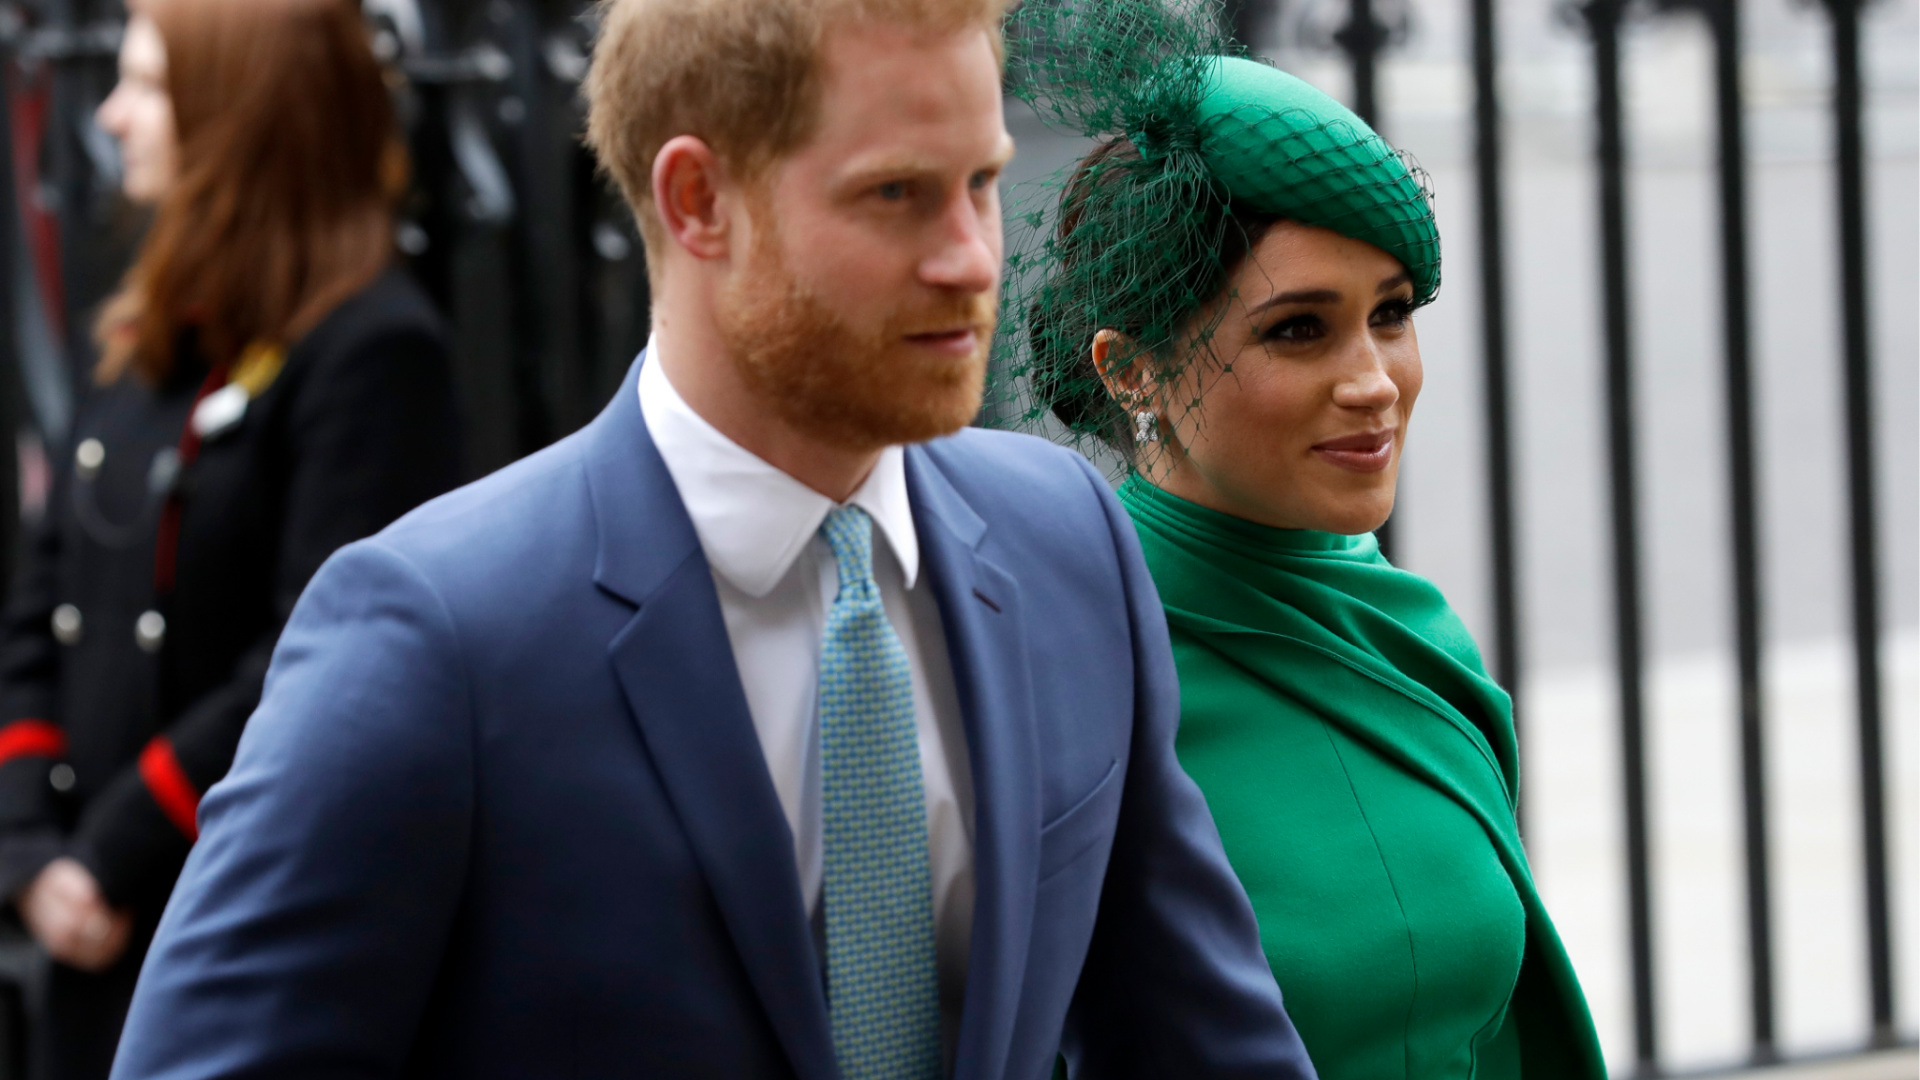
(1367, 385)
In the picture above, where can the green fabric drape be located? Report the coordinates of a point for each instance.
(1362, 768)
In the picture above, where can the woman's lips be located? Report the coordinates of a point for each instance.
(1369, 452)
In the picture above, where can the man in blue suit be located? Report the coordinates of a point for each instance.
(766, 727)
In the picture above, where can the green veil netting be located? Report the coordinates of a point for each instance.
(1194, 144)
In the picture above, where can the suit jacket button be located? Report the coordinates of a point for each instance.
(88, 457)
(67, 624)
(61, 777)
(150, 631)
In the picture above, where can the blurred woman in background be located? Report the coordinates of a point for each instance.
(270, 387)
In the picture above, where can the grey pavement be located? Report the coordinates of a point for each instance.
(1885, 1065)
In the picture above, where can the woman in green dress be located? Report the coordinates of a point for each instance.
(1226, 297)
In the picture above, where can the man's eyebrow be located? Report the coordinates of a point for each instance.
(892, 166)
(874, 169)
(1394, 282)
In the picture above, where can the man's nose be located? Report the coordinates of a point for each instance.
(967, 257)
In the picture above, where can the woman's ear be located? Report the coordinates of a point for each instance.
(1122, 366)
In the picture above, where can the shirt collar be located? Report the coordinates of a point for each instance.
(752, 519)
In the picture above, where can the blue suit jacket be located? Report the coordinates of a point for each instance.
(502, 811)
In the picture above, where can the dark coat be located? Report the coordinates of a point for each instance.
(121, 699)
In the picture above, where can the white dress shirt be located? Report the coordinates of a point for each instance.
(776, 577)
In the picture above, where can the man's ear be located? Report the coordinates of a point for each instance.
(1124, 368)
(687, 182)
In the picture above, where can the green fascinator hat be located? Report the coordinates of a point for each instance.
(1278, 146)
(1195, 151)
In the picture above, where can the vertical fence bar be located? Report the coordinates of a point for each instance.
(1603, 20)
(1362, 38)
(1244, 19)
(1493, 322)
(12, 389)
(1724, 18)
(1850, 155)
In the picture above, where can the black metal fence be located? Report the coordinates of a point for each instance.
(541, 273)
(1362, 37)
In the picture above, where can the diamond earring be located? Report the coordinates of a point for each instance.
(1145, 428)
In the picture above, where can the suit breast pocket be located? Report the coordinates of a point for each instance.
(1081, 827)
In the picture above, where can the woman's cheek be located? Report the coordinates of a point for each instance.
(1410, 383)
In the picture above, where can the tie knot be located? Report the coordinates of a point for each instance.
(849, 532)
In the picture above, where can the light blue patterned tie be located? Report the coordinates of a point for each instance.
(882, 974)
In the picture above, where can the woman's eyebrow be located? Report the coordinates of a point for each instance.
(1301, 296)
(1325, 296)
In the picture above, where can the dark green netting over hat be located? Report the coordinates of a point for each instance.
(1195, 150)
(1279, 146)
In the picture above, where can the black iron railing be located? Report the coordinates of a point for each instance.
(1851, 192)
(1603, 20)
(1495, 380)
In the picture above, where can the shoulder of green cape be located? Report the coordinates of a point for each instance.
(1557, 1033)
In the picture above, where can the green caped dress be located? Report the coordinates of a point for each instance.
(1360, 765)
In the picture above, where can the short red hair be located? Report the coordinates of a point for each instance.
(742, 75)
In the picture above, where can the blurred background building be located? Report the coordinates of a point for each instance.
(1667, 462)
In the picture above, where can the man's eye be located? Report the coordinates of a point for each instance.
(981, 181)
(1297, 329)
(892, 190)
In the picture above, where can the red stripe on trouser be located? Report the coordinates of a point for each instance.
(169, 786)
(31, 738)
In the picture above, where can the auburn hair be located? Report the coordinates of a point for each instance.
(289, 166)
(744, 76)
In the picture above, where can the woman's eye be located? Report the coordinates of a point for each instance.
(1296, 329)
(1393, 314)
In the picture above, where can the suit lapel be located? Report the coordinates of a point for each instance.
(980, 611)
(675, 665)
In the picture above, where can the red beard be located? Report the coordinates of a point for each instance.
(837, 384)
